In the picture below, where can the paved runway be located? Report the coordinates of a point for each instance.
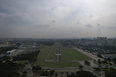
(57, 53)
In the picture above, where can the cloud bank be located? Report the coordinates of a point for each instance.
(57, 18)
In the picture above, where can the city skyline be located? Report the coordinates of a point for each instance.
(57, 19)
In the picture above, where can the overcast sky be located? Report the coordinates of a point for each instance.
(57, 18)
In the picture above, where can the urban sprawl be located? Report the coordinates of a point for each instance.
(35, 57)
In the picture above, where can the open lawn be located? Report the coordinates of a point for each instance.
(22, 61)
(44, 50)
(60, 64)
(72, 54)
(68, 55)
(52, 54)
(42, 56)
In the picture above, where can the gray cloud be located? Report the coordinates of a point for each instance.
(30, 18)
(91, 15)
(14, 20)
(111, 27)
(42, 25)
(98, 24)
(78, 22)
(114, 24)
(88, 25)
(97, 29)
(53, 21)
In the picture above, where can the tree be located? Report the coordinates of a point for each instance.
(85, 74)
(44, 73)
(72, 73)
(110, 73)
(110, 64)
(87, 62)
(51, 72)
(97, 69)
(112, 69)
(36, 68)
(94, 61)
(69, 75)
(99, 55)
(80, 67)
(24, 74)
(8, 69)
(66, 72)
(104, 62)
(56, 74)
(99, 61)
(62, 72)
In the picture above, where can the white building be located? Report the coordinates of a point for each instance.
(12, 51)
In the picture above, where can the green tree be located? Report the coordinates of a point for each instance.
(24, 74)
(56, 74)
(44, 73)
(87, 62)
(99, 61)
(51, 72)
(81, 67)
(85, 74)
(67, 73)
(94, 61)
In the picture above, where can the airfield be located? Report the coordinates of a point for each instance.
(59, 56)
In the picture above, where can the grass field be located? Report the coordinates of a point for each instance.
(52, 54)
(44, 50)
(22, 61)
(67, 54)
(71, 54)
(61, 64)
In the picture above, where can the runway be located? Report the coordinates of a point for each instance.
(57, 53)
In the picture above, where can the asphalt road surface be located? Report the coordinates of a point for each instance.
(58, 52)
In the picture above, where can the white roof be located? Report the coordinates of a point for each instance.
(11, 51)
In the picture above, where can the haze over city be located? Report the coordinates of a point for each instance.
(57, 18)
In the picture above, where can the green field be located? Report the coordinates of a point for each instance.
(60, 64)
(44, 50)
(22, 61)
(52, 54)
(71, 54)
(68, 54)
